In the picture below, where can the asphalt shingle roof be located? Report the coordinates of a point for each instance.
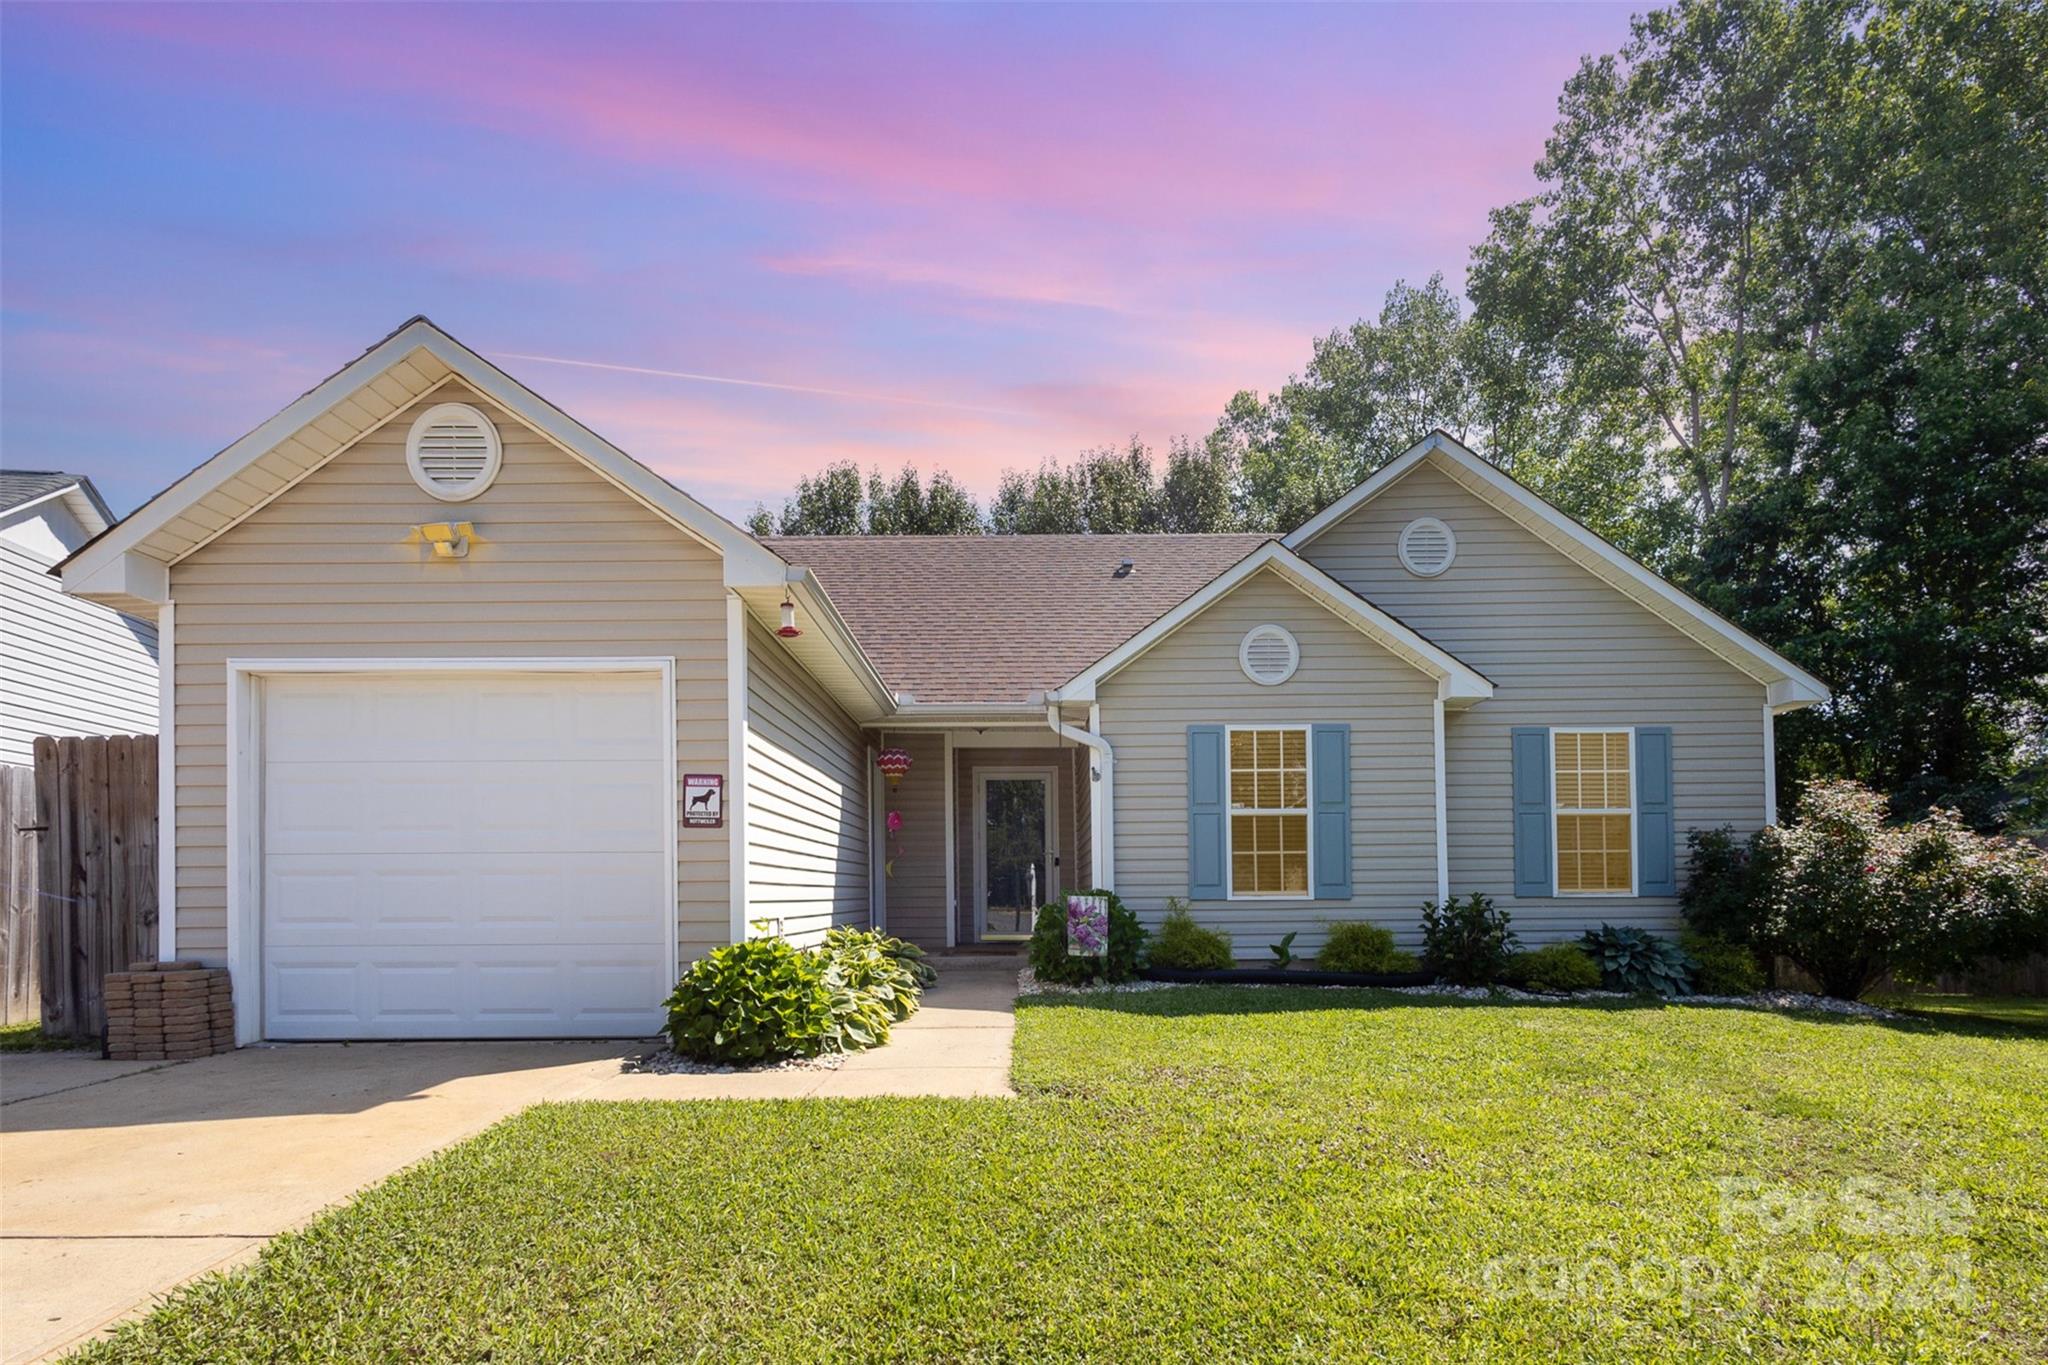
(18, 486)
(996, 618)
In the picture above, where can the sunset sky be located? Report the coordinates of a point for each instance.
(966, 237)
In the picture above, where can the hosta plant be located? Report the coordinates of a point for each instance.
(752, 1001)
(1639, 962)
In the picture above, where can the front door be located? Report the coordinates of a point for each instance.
(1016, 869)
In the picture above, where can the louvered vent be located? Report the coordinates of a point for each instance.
(1268, 655)
(453, 452)
(1427, 547)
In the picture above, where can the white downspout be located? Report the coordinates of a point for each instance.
(1101, 795)
(1443, 835)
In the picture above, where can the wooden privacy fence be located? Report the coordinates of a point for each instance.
(96, 904)
(19, 999)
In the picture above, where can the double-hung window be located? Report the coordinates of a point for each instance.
(1269, 809)
(1592, 774)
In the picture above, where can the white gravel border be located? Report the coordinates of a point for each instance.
(666, 1062)
(1773, 1001)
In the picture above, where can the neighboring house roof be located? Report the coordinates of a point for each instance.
(1457, 682)
(993, 619)
(21, 487)
(1787, 684)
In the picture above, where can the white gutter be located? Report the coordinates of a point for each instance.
(1101, 795)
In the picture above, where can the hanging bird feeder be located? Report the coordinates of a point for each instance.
(893, 763)
(788, 629)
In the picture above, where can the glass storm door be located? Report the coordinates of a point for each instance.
(1017, 865)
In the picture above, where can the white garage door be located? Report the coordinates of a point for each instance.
(465, 855)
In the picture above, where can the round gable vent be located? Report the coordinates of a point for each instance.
(1427, 547)
(1268, 655)
(453, 452)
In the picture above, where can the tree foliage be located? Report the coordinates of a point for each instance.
(839, 501)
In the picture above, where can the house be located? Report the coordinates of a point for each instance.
(483, 729)
(67, 667)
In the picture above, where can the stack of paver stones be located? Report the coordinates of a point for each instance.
(169, 1011)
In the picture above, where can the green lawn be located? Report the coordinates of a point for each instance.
(2023, 1012)
(28, 1036)
(1220, 1174)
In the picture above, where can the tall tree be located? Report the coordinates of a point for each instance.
(838, 501)
(1646, 278)
(1196, 494)
(1902, 543)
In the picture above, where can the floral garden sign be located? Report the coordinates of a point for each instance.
(1087, 926)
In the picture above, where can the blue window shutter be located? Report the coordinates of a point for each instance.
(1330, 766)
(1656, 834)
(1206, 873)
(1532, 810)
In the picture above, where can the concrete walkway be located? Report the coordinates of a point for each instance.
(120, 1181)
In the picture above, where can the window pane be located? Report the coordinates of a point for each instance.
(1269, 790)
(1294, 868)
(1268, 747)
(1242, 781)
(1294, 744)
(1241, 749)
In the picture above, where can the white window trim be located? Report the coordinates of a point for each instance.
(1635, 871)
(1230, 812)
(493, 461)
(245, 780)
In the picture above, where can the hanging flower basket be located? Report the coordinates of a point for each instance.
(893, 763)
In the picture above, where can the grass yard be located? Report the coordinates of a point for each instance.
(28, 1036)
(2026, 1013)
(1222, 1174)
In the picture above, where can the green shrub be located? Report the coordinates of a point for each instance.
(752, 1001)
(1051, 962)
(1720, 967)
(1355, 947)
(1468, 941)
(1637, 961)
(1185, 946)
(1721, 892)
(1560, 968)
(1848, 896)
(875, 981)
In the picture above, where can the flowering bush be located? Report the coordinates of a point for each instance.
(1849, 896)
(1115, 959)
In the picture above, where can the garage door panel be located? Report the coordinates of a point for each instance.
(481, 805)
(534, 898)
(462, 855)
(429, 993)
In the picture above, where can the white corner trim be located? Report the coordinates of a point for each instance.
(738, 727)
(878, 847)
(167, 783)
(1101, 795)
(1464, 682)
(1770, 765)
(952, 853)
(1443, 837)
(244, 790)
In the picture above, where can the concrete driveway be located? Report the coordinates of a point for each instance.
(120, 1181)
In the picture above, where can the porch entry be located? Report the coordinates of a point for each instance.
(1016, 864)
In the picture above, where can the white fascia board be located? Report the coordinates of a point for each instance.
(1456, 680)
(1533, 512)
(747, 561)
(807, 586)
(119, 580)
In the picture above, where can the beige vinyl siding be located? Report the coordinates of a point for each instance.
(915, 888)
(67, 666)
(1562, 649)
(1192, 677)
(1070, 807)
(565, 564)
(807, 800)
